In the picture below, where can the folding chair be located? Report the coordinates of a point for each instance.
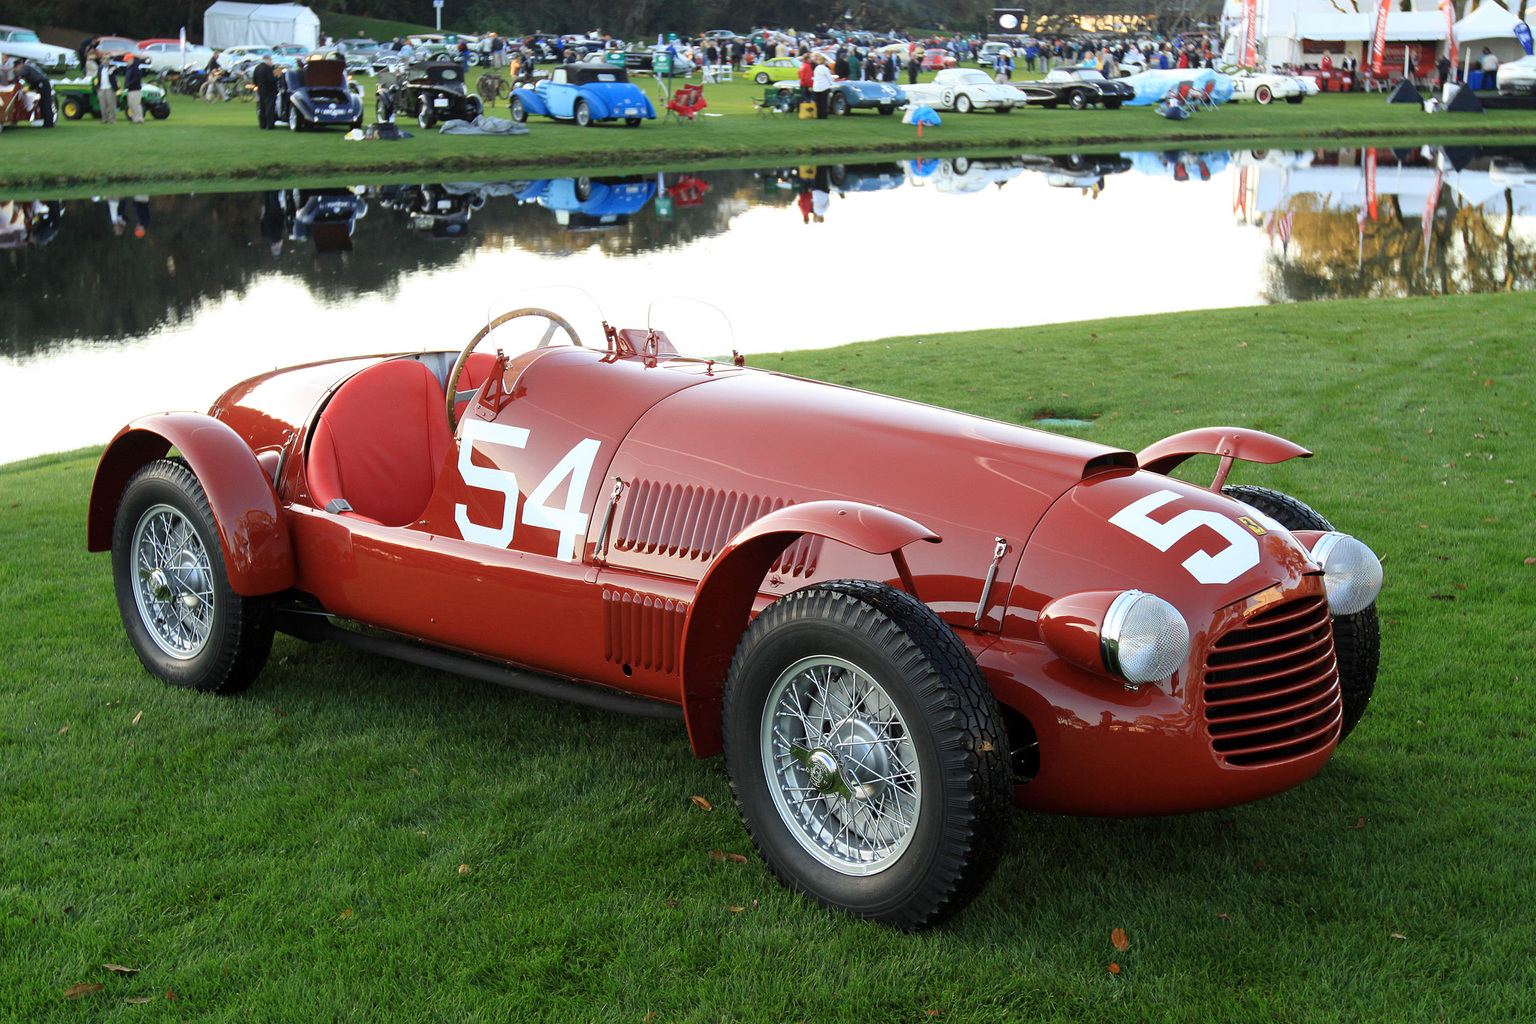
(769, 105)
(686, 102)
(1203, 98)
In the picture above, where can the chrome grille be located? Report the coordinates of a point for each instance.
(1271, 686)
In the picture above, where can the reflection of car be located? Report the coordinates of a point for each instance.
(585, 204)
(774, 69)
(326, 216)
(964, 90)
(23, 42)
(77, 97)
(162, 55)
(1518, 75)
(846, 96)
(614, 524)
(438, 210)
(433, 92)
(585, 94)
(1077, 87)
(1264, 87)
(846, 178)
(962, 174)
(318, 94)
(1076, 170)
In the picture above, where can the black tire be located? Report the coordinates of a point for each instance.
(160, 111)
(582, 187)
(930, 726)
(582, 114)
(632, 122)
(517, 111)
(1112, 104)
(185, 623)
(960, 165)
(295, 120)
(1006, 109)
(473, 108)
(424, 113)
(762, 78)
(887, 108)
(1357, 637)
(1262, 95)
(382, 107)
(1078, 100)
(71, 109)
(837, 105)
(963, 104)
(1296, 99)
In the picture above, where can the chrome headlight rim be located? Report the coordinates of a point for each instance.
(1347, 562)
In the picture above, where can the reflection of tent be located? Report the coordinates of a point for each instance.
(234, 24)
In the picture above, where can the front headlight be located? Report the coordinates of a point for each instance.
(1144, 638)
(1126, 633)
(1351, 572)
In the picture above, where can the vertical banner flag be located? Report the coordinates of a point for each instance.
(1250, 55)
(1379, 40)
(1523, 33)
(1448, 8)
(1429, 210)
(1370, 182)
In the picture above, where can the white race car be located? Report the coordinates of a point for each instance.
(1518, 75)
(1265, 87)
(964, 90)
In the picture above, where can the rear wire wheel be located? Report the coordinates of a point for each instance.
(867, 754)
(185, 622)
(1357, 637)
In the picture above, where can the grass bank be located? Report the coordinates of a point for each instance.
(204, 145)
(358, 839)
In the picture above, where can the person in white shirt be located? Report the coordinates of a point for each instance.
(821, 84)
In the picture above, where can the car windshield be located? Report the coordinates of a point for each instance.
(972, 78)
(587, 76)
(1088, 75)
(24, 37)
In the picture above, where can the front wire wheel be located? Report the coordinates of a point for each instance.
(867, 754)
(187, 625)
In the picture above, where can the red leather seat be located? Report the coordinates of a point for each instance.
(380, 444)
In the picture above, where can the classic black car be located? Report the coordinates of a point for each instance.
(433, 92)
(1076, 170)
(318, 93)
(1077, 87)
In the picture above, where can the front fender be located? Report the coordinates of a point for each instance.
(1228, 442)
(253, 527)
(722, 606)
(533, 103)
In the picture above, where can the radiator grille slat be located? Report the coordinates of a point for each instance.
(1270, 686)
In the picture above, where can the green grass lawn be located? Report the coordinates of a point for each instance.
(354, 839)
(202, 144)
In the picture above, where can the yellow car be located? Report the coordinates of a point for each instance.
(774, 69)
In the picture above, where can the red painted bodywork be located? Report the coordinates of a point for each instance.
(736, 486)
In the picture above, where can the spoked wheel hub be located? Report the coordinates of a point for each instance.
(174, 588)
(841, 765)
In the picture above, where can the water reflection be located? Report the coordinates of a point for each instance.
(850, 251)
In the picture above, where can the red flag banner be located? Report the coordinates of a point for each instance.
(1429, 208)
(1448, 8)
(1379, 41)
(1370, 182)
(1250, 54)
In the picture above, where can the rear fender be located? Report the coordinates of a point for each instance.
(1227, 442)
(252, 524)
(533, 103)
(722, 607)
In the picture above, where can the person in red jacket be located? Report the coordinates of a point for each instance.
(807, 77)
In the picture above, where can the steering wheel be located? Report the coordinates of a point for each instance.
(556, 322)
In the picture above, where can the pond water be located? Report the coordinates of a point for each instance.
(114, 307)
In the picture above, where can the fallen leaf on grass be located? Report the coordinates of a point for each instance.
(1119, 940)
(1358, 824)
(1114, 968)
(463, 869)
(1395, 935)
(721, 855)
(701, 803)
(1225, 917)
(1442, 597)
(735, 910)
(63, 730)
(170, 995)
(136, 1000)
(136, 718)
(346, 914)
(85, 988)
(120, 969)
(673, 903)
(1530, 561)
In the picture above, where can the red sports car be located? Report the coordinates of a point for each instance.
(897, 622)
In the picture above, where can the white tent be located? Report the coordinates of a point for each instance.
(1491, 26)
(234, 24)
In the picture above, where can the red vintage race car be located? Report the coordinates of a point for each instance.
(897, 622)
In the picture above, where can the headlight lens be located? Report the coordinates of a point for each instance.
(1144, 638)
(1351, 572)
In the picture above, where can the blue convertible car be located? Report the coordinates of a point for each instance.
(586, 94)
